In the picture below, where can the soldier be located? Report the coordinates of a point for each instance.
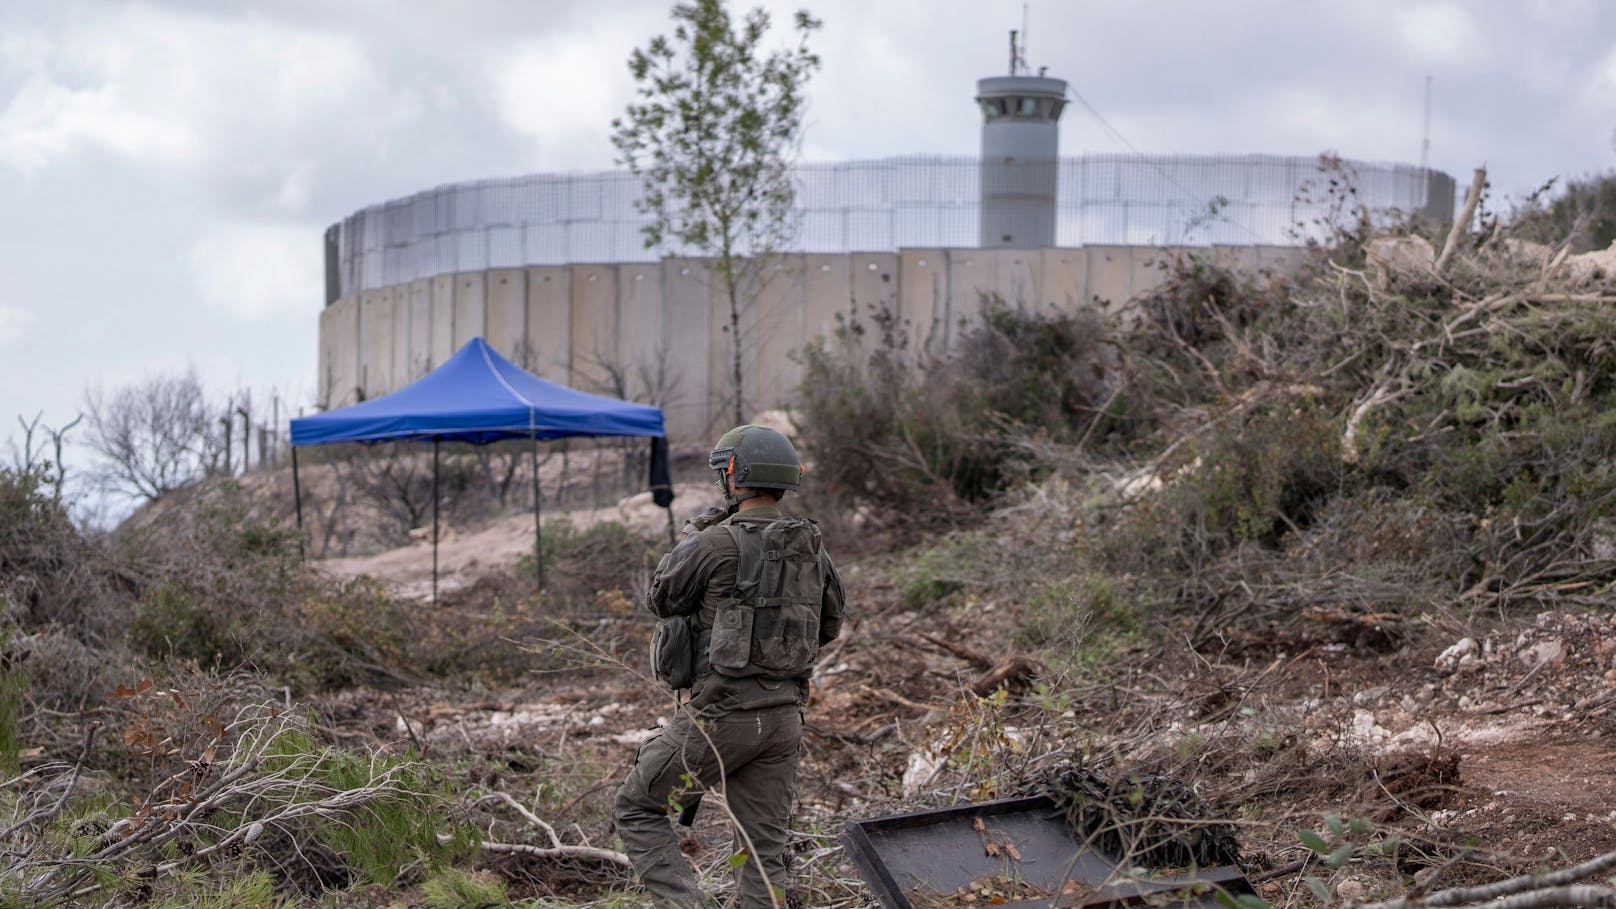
(747, 597)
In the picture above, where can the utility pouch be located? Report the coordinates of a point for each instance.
(730, 649)
(673, 652)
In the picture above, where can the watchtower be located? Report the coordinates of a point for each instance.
(1020, 155)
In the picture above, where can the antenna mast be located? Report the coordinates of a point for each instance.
(1025, 32)
(1425, 138)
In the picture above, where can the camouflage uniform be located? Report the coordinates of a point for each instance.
(736, 735)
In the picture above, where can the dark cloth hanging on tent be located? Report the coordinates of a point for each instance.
(661, 481)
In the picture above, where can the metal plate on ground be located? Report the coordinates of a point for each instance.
(1011, 853)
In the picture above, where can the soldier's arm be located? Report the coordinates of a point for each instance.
(680, 577)
(833, 606)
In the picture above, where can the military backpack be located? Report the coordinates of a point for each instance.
(768, 624)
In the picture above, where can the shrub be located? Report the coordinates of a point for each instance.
(935, 575)
(49, 574)
(928, 442)
(13, 682)
(218, 585)
(1585, 213)
(454, 889)
(1254, 480)
(582, 563)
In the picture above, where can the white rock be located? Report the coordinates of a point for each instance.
(1551, 652)
(1389, 256)
(1352, 890)
(1370, 695)
(1450, 659)
(922, 768)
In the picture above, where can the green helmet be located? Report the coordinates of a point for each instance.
(758, 457)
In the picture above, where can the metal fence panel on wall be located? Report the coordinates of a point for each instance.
(883, 205)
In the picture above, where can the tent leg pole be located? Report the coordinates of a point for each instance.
(434, 521)
(297, 495)
(538, 533)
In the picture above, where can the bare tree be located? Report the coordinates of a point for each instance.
(398, 478)
(153, 436)
(35, 457)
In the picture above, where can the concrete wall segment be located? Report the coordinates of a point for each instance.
(1110, 274)
(828, 287)
(506, 328)
(443, 312)
(339, 378)
(641, 339)
(772, 331)
(1064, 282)
(548, 352)
(922, 301)
(400, 377)
(592, 325)
(419, 353)
(685, 294)
(375, 366)
(470, 307)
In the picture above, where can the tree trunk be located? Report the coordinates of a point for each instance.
(735, 341)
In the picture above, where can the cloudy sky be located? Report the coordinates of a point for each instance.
(167, 168)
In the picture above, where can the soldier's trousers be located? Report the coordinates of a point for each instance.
(751, 757)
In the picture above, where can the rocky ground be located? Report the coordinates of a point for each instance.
(1483, 750)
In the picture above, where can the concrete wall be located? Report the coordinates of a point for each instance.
(506, 313)
(549, 320)
(338, 380)
(376, 342)
(659, 332)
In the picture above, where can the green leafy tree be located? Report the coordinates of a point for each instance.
(712, 135)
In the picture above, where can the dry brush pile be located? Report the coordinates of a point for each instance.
(1348, 468)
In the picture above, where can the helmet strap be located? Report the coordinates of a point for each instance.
(734, 499)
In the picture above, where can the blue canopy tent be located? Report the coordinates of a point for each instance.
(478, 396)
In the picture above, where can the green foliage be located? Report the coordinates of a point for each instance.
(934, 576)
(387, 839)
(1266, 476)
(1083, 618)
(1585, 213)
(583, 564)
(358, 633)
(712, 138)
(223, 590)
(1257, 479)
(246, 890)
(13, 682)
(928, 442)
(68, 583)
(455, 889)
(714, 129)
(220, 585)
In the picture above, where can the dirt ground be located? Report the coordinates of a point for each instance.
(1485, 755)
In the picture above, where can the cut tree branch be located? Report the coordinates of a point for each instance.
(1461, 225)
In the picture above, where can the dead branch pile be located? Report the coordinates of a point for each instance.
(1152, 820)
(255, 790)
(1373, 437)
